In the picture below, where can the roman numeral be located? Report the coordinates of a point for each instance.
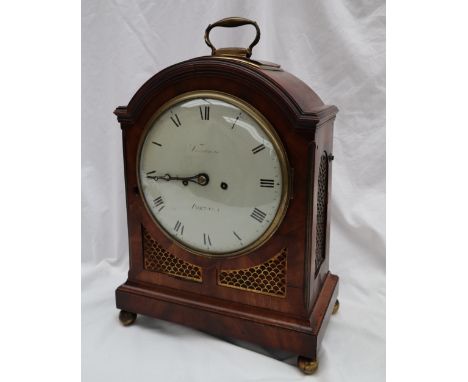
(178, 227)
(158, 201)
(205, 116)
(206, 239)
(234, 124)
(269, 183)
(257, 149)
(236, 235)
(258, 215)
(176, 120)
(157, 144)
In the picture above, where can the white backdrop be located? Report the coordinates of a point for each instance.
(338, 48)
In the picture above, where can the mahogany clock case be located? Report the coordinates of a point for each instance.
(293, 315)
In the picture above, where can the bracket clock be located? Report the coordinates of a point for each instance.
(228, 179)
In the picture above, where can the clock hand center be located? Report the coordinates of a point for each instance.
(203, 179)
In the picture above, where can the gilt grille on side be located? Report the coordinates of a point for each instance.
(157, 259)
(322, 197)
(267, 278)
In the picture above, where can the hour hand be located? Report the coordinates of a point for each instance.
(201, 179)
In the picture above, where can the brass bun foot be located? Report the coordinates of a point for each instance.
(127, 318)
(307, 365)
(336, 307)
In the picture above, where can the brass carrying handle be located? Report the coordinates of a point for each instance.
(231, 22)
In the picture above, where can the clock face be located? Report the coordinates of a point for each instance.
(213, 174)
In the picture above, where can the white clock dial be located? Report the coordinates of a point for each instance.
(213, 174)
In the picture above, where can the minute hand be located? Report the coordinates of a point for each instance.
(202, 179)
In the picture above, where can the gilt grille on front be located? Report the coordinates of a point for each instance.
(322, 198)
(267, 278)
(157, 259)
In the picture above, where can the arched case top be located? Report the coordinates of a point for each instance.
(250, 80)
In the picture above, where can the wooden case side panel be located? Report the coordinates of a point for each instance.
(322, 147)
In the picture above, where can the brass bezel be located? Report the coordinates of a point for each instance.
(275, 140)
